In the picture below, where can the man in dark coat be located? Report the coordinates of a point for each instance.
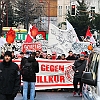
(9, 78)
(32, 79)
(79, 67)
(71, 56)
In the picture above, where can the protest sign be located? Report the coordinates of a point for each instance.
(53, 74)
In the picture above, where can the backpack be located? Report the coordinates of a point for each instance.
(27, 70)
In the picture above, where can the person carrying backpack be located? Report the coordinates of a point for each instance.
(29, 70)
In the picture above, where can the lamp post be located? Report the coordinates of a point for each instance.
(1, 16)
(48, 13)
(7, 13)
(4, 4)
(27, 18)
(0, 26)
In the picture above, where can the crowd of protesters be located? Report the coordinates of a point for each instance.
(44, 55)
(78, 66)
(12, 53)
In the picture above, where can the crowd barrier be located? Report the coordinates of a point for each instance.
(53, 74)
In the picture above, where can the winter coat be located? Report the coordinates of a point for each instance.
(9, 78)
(22, 62)
(80, 66)
(71, 58)
(35, 68)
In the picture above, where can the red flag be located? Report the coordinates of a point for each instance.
(33, 31)
(10, 36)
(89, 34)
(29, 38)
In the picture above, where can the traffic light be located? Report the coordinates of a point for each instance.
(73, 10)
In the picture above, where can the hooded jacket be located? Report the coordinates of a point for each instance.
(35, 68)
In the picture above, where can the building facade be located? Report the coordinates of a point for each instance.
(63, 6)
(50, 8)
(93, 5)
(62, 10)
(56, 10)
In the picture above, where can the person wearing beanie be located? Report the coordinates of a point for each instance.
(7, 58)
(79, 68)
(9, 78)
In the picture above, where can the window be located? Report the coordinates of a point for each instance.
(94, 65)
(99, 5)
(92, 11)
(60, 10)
(66, 9)
(95, 68)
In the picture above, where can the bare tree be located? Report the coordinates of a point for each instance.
(27, 11)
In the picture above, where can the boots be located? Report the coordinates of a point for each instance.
(74, 93)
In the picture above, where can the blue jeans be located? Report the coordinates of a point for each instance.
(25, 90)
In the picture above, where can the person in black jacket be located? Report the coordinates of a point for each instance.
(79, 68)
(32, 79)
(71, 56)
(9, 78)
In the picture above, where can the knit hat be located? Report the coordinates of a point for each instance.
(8, 53)
(82, 55)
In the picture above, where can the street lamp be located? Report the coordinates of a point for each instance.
(0, 26)
(3, 4)
(27, 10)
(1, 15)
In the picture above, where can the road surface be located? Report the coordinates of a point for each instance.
(52, 96)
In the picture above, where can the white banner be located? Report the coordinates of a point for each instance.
(60, 41)
(80, 47)
(44, 44)
(53, 74)
(72, 31)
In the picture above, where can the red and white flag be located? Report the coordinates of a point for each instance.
(89, 34)
(29, 37)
